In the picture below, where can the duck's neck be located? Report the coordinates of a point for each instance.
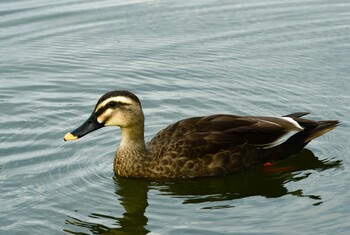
(131, 157)
(132, 139)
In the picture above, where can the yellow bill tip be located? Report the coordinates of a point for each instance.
(69, 136)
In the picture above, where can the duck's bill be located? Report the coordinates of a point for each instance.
(90, 125)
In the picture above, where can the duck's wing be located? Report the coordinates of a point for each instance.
(210, 133)
(251, 130)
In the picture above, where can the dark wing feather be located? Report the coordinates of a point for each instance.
(203, 135)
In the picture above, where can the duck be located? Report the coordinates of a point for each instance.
(203, 146)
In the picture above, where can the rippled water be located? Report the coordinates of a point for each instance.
(182, 58)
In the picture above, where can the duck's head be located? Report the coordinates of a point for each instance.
(115, 108)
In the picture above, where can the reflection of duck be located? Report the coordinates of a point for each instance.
(268, 182)
(133, 220)
(199, 146)
(208, 193)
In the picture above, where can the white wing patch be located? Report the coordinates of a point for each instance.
(279, 141)
(290, 124)
(287, 122)
(293, 122)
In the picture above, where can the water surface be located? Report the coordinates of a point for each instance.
(183, 59)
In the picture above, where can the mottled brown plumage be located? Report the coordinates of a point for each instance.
(199, 146)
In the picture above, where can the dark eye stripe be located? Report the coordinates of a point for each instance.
(112, 104)
(101, 110)
(109, 105)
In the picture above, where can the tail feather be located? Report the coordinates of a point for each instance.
(322, 128)
(312, 130)
(297, 115)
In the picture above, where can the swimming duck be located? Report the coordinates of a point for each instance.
(199, 146)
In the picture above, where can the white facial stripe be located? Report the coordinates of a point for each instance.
(121, 99)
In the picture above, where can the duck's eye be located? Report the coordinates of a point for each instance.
(112, 104)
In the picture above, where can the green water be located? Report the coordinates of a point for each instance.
(183, 59)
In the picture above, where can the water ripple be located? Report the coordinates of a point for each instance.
(182, 59)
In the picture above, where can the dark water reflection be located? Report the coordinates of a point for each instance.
(268, 182)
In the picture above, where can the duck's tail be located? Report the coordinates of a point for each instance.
(312, 130)
(321, 128)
